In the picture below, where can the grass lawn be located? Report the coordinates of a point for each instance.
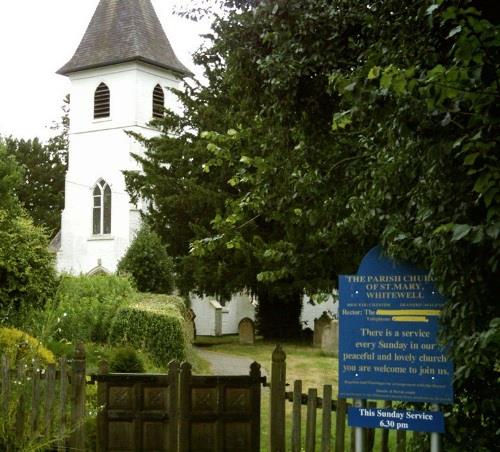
(302, 362)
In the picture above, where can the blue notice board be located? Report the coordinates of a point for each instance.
(416, 421)
(388, 334)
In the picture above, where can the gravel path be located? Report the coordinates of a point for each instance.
(224, 364)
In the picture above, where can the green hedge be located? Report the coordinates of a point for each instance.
(155, 324)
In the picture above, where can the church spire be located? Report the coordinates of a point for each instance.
(121, 31)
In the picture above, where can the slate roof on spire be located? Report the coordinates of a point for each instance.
(121, 31)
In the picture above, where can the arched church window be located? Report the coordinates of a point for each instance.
(158, 102)
(101, 215)
(102, 102)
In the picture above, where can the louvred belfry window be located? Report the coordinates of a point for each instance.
(158, 102)
(102, 102)
(101, 215)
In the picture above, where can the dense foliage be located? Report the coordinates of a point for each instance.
(43, 168)
(148, 263)
(155, 324)
(27, 274)
(85, 306)
(327, 127)
(19, 346)
(126, 360)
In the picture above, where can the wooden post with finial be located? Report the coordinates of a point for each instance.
(78, 382)
(277, 411)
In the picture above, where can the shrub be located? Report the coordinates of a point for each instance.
(148, 263)
(27, 273)
(20, 346)
(86, 306)
(155, 324)
(126, 360)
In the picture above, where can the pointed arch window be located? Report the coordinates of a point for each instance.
(102, 99)
(101, 214)
(158, 102)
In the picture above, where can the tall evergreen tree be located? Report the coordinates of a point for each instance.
(333, 126)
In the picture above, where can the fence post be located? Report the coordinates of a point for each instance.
(184, 402)
(5, 384)
(78, 382)
(102, 390)
(327, 418)
(384, 446)
(277, 401)
(255, 375)
(297, 414)
(401, 441)
(63, 387)
(35, 398)
(340, 425)
(49, 397)
(312, 402)
(20, 414)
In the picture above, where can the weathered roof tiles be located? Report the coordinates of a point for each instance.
(121, 31)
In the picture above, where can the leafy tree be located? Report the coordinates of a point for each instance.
(27, 273)
(333, 126)
(44, 167)
(148, 263)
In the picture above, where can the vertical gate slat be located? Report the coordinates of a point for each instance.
(312, 396)
(340, 425)
(63, 387)
(184, 401)
(401, 441)
(20, 414)
(102, 402)
(78, 382)
(35, 398)
(5, 384)
(49, 398)
(326, 429)
(296, 415)
(173, 414)
(384, 446)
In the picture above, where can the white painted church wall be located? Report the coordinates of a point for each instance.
(311, 312)
(241, 306)
(238, 308)
(100, 148)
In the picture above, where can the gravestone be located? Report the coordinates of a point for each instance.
(246, 331)
(190, 325)
(330, 339)
(319, 325)
(218, 317)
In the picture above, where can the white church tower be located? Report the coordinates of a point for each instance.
(119, 75)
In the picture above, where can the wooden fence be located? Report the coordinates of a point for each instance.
(329, 441)
(52, 406)
(45, 403)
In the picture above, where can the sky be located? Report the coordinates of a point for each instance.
(37, 37)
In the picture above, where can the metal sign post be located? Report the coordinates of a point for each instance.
(436, 445)
(359, 432)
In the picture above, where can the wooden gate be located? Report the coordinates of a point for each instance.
(178, 412)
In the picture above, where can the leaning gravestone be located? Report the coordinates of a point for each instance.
(190, 325)
(319, 325)
(246, 331)
(330, 339)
